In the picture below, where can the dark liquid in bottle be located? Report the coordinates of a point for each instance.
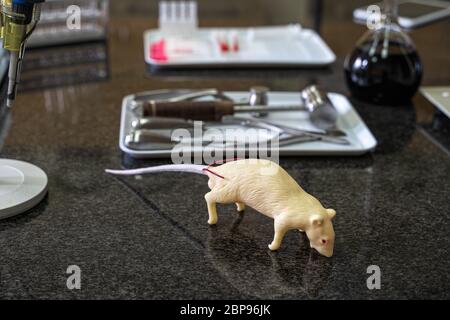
(391, 78)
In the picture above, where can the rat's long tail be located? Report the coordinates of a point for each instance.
(193, 168)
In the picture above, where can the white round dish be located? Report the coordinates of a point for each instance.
(22, 186)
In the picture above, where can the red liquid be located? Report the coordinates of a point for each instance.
(393, 79)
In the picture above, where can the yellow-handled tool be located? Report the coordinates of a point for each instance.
(18, 19)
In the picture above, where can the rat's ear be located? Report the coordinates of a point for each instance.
(316, 220)
(331, 213)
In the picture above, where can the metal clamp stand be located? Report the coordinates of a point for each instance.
(22, 185)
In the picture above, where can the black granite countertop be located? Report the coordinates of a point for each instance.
(147, 238)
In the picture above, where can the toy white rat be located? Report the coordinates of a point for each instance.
(269, 189)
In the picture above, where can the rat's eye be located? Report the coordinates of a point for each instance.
(324, 241)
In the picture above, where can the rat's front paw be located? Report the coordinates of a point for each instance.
(212, 221)
(273, 246)
(240, 207)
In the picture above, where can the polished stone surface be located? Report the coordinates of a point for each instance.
(148, 238)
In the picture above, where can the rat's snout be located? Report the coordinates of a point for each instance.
(325, 246)
(322, 239)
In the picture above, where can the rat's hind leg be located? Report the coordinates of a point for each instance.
(212, 210)
(280, 231)
(240, 206)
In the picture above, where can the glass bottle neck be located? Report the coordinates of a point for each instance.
(390, 11)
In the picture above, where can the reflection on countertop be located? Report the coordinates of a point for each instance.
(66, 65)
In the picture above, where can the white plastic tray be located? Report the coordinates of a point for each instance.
(259, 47)
(439, 97)
(360, 138)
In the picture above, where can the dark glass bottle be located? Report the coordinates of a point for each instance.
(384, 67)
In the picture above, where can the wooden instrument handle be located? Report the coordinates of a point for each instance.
(190, 110)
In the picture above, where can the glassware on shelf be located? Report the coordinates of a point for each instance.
(53, 27)
(384, 67)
